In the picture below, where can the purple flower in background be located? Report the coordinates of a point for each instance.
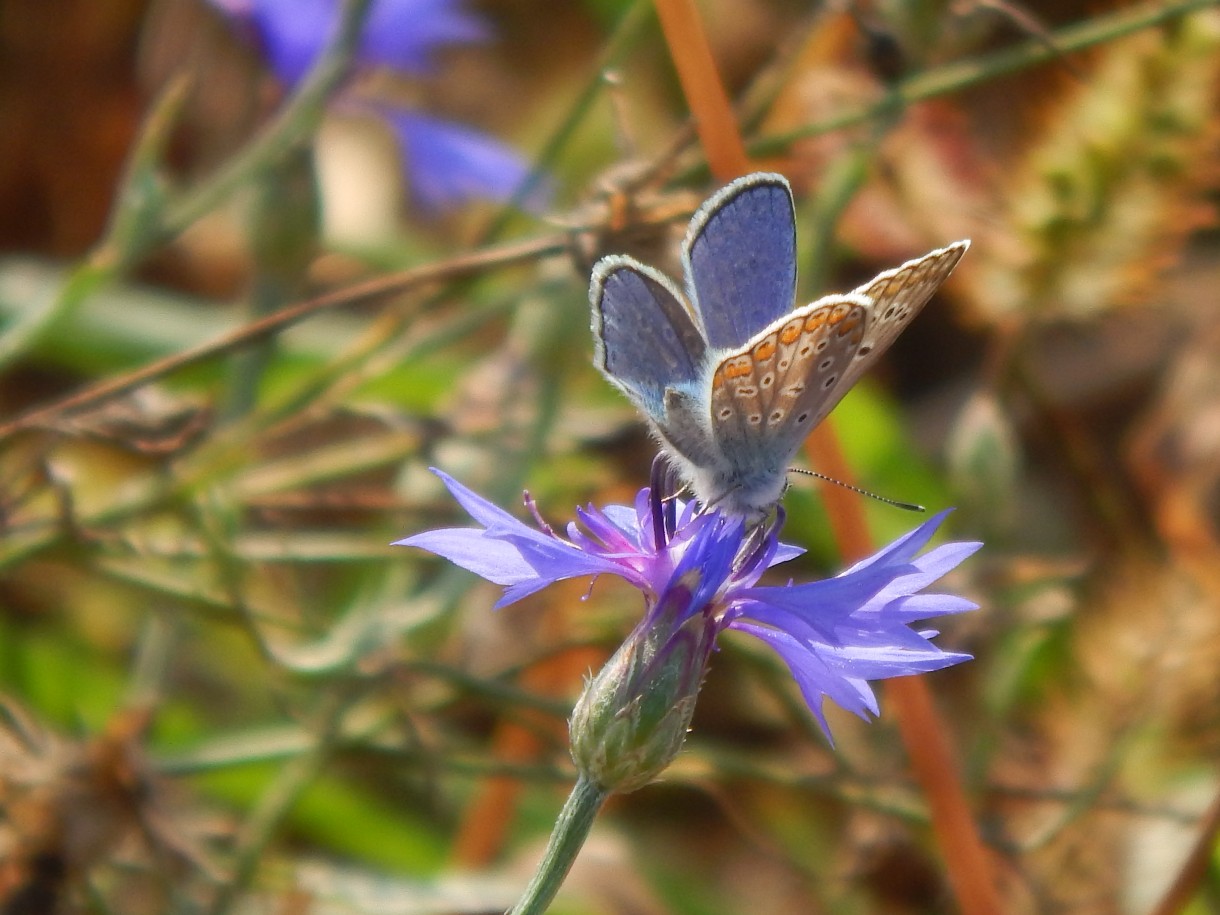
(445, 163)
(699, 574)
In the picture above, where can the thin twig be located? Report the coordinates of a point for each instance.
(403, 281)
(144, 216)
(292, 125)
(280, 797)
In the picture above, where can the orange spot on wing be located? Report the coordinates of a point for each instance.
(815, 320)
(738, 368)
(765, 350)
(790, 332)
(849, 324)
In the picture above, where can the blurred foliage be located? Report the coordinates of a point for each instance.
(225, 692)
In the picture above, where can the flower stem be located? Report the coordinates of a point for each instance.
(571, 829)
(291, 125)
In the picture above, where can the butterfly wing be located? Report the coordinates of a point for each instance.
(897, 296)
(769, 394)
(647, 343)
(739, 258)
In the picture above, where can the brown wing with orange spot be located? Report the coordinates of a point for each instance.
(898, 295)
(769, 394)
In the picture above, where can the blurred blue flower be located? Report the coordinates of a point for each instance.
(699, 574)
(445, 163)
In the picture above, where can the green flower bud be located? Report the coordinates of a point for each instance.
(632, 718)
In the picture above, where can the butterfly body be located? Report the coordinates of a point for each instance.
(729, 376)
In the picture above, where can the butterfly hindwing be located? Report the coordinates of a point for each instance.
(740, 258)
(645, 338)
(647, 343)
(768, 395)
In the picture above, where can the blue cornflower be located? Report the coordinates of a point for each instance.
(699, 573)
(445, 163)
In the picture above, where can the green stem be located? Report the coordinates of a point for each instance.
(292, 125)
(620, 41)
(143, 218)
(278, 801)
(571, 830)
(138, 197)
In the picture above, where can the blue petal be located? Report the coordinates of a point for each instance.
(784, 552)
(291, 33)
(915, 607)
(447, 164)
(923, 571)
(865, 638)
(830, 597)
(708, 558)
(508, 552)
(904, 548)
(837, 634)
(473, 550)
(818, 626)
(882, 663)
(400, 34)
(486, 512)
(817, 676)
(403, 34)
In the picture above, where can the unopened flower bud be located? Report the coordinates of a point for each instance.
(632, 718)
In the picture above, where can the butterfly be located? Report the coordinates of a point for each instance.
(729, 376)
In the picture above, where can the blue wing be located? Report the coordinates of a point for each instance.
(740, 258)
(646, 340)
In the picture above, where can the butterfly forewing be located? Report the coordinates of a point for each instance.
(899, 295)
(769, 394)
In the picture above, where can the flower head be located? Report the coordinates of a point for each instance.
(445, 163)
(699, 573)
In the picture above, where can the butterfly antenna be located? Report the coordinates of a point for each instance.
(905, 506)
